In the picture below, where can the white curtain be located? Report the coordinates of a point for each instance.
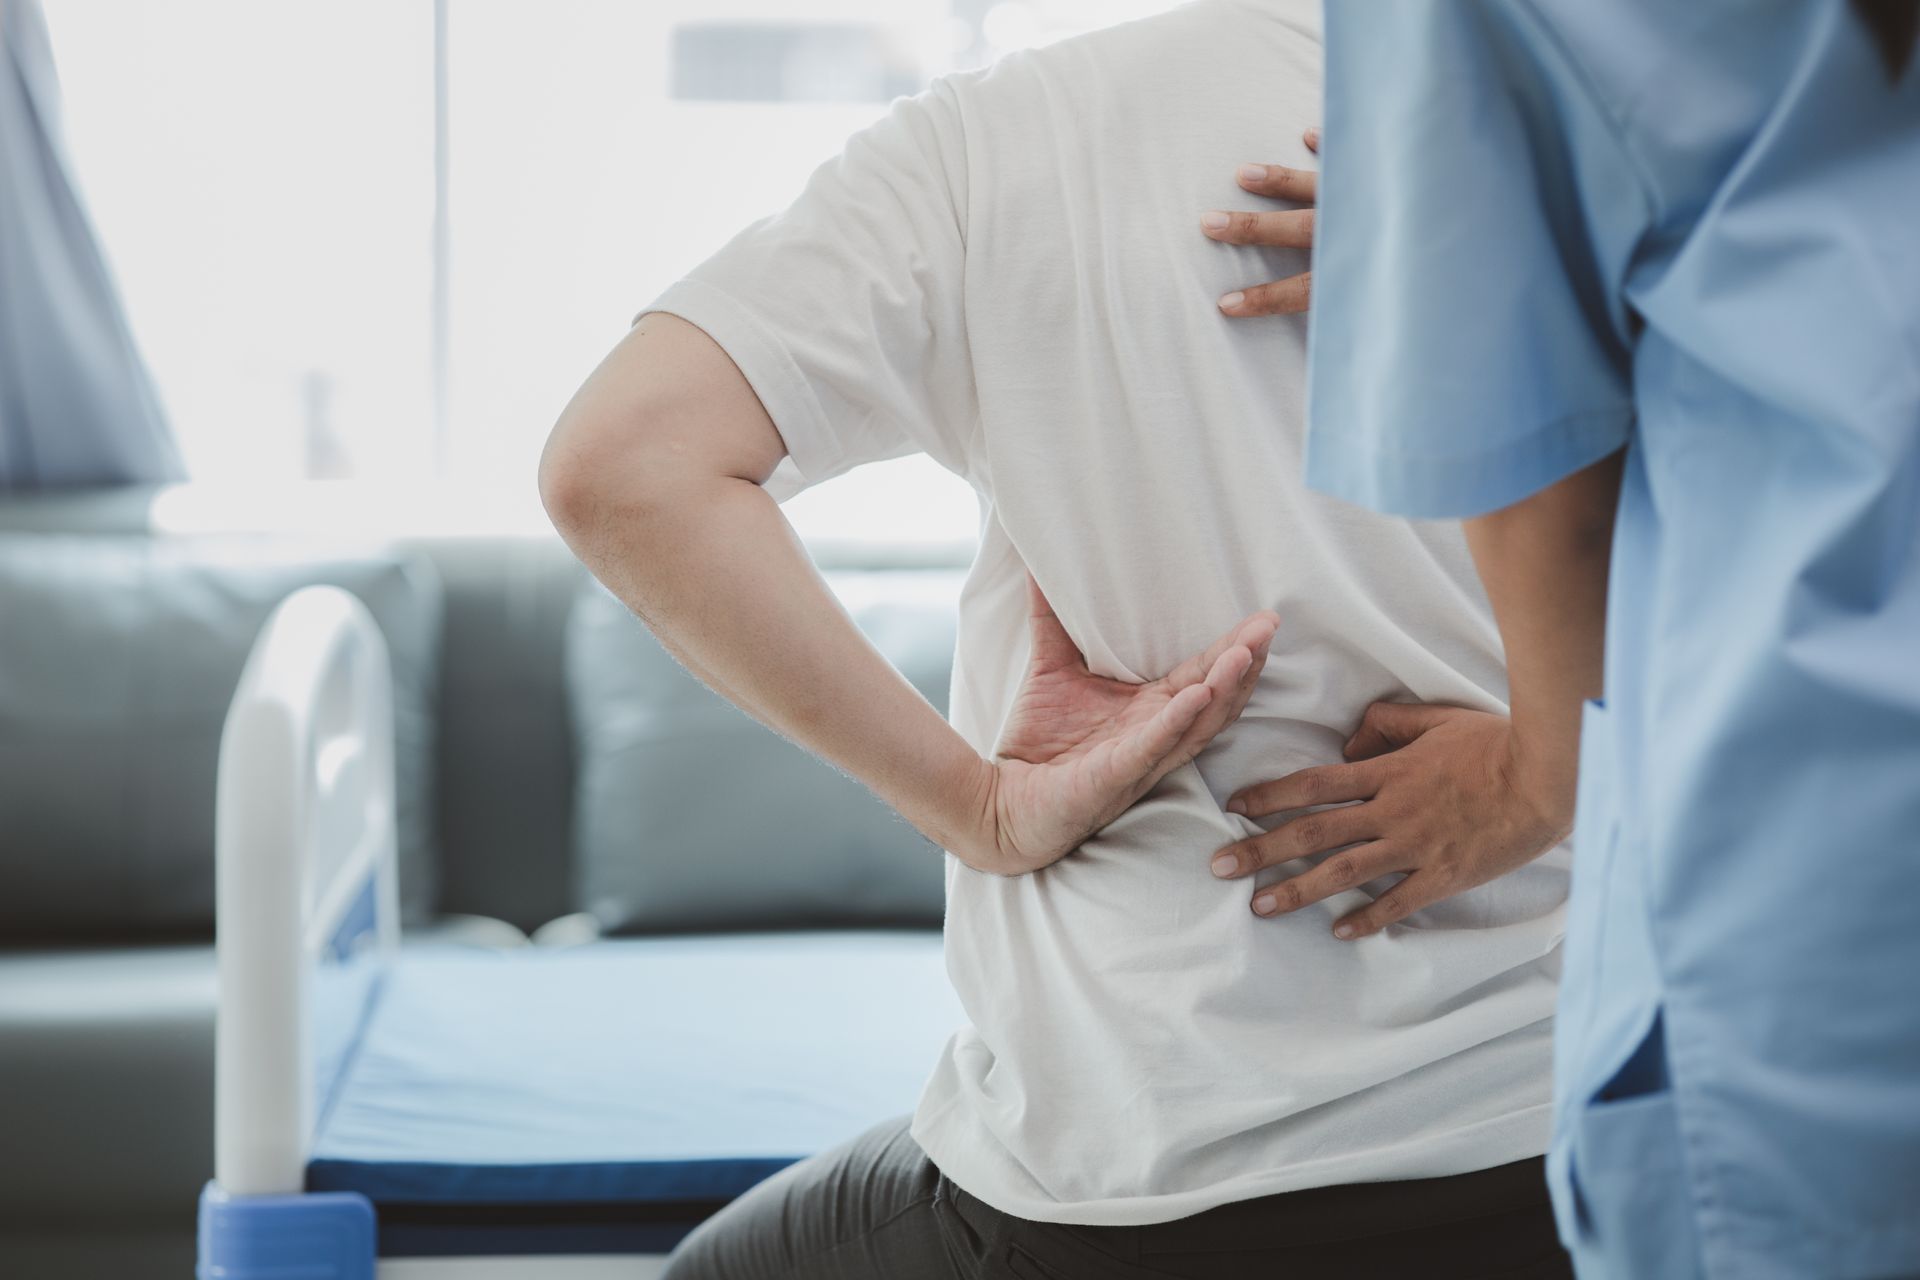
(77, 406)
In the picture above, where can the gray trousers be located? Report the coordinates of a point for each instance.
(877, 1209)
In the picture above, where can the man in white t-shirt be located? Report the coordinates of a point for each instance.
(1006, 273)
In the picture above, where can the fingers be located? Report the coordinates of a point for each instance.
(1052, 646)
(1307, 789)
(1396, 904)
(1259, 642)
(1255, 632)
(1306, 835)
(1228, 672)
(1256, 636)
(1230, 667)
(1312, 137)
(1280, 298)
(1274, 228)
(1280, 182)
(1232, 679)
(1282, 228)
(1348, 869)
(1037, 602)
(1138, 756)
(1388, 726)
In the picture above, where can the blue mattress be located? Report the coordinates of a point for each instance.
(611, 1096)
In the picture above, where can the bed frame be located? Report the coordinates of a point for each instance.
(307, 927)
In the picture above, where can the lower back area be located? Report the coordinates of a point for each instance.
(1143, 1047)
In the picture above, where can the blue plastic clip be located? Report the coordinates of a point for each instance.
(326, 1235)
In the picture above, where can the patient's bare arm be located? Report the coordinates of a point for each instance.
(653, 475)
(1452, 797)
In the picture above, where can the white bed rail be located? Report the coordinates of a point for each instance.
(304, 866)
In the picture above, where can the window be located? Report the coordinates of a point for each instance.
(264, 179)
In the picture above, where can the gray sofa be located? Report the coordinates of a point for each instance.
(558, 780)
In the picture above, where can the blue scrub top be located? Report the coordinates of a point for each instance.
(1552, 230)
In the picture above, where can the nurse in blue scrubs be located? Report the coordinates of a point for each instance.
(1637, 285)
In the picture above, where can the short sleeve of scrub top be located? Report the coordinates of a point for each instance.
(1467, 350)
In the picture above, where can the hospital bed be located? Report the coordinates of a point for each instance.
(541, 1112)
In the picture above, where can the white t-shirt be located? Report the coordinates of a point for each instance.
(1007, 273)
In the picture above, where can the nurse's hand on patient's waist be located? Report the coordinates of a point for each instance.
(1079, 748)
(1443, 797)
(1274, 228)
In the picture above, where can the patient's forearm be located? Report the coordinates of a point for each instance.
(653, 479)
(1545, 563)
(654, 476)
(738, 600)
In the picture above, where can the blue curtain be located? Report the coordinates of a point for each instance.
(77, 405)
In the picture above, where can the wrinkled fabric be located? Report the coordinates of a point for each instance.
(876, 1208)
(969, 280)
(1552, 231)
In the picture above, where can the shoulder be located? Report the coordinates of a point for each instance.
(1220, 39)
(1233, 77)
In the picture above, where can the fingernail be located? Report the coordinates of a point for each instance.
(1214, 220)
(1265, 906)
(1232, 300)
(1253, 173)
(1237, 805)
(1225, 865)
(1313, 137)
(1343, 931)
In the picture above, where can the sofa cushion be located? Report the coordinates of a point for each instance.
(118, 658)
(691, 815)
(505, 754)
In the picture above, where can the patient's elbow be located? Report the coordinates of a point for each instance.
(570, 485)
(600, 470)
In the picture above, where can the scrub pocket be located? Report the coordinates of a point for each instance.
(1632, 1197)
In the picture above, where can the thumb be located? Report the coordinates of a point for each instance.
(1052, 646)
(1388, 726)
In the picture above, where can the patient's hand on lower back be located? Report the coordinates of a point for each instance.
(1079, 748)
(655, 477)
(1440, 798)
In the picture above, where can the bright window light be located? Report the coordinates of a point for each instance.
(263, 177)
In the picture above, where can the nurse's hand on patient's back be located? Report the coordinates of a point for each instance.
(1272, 228)
(1079, 748)
(1439, 801)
